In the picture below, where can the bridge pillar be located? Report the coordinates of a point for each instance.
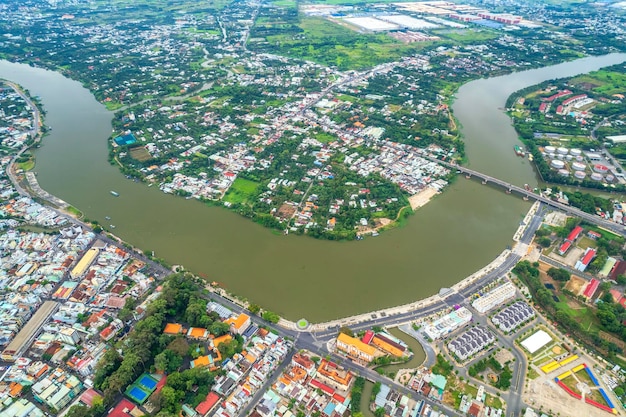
(484, 181)
(508, 191)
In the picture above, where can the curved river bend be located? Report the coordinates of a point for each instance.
(456, 234)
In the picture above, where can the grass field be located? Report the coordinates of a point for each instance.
(140, 154)
(604, 82)
(241, 191)
(583, 315)
(28, 165)
(493, 401)
(336, 43)
(325, 137)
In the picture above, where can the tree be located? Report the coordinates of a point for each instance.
(621, 279)
(380, 412)
(346, 330)
(79, 411)
(254, 308)
(271, 317)
(559, 274)
(544, 242)
(219, 328)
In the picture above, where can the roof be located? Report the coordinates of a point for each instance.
(122, 409)
(201, 361)
(573, 235)
(352, 341)
(88, 396)
(588, 256)
(239, 321)
(591, 288)
(222, 339)
(565, 246)
(208, 403)
(173, 328)
(536, 341)
(367, 337)
(197, 332)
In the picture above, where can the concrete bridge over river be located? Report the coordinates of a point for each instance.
(528, 194)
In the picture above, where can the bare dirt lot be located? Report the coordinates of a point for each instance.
(575, 284)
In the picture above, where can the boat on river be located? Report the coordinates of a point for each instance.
(115, 194)
(519, 151)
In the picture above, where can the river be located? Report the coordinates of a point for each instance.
(456, 234)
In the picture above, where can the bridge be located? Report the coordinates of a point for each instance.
(528, 194)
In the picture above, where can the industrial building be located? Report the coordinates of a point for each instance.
(84, 263)
(25, 337)
(494, 297)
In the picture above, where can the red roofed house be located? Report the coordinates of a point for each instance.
(367, 337)
(583, 263)
(574, 234)
(565, 247)
(304, 362)
(591, 288)
(122, 409)
(205, 407)
(617, 295)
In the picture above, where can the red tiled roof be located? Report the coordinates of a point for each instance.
(208, 403)
(367, 337)
(122, 409)
(591, 288)
(573, 235)
(588, 256)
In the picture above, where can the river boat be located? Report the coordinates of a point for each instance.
(530, 157)
(112, 226)
(519, 151)
(115, 194)
(107, 218)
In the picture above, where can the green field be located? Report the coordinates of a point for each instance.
(604, 81)
(584, 316)
(241, 191)
(325, 137)
(333, 43)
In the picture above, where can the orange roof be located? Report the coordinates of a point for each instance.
(16, 389)
(219, 340)
(387, 347)
(370, 350)
(239, 321)
(197, 332)
(201, 361)
(173, 328)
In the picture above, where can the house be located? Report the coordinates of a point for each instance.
(574, 234)
(565, 247)
(125, 409)
(238, 324)
(173, 329)
(584, 262)
(205, 407)
(197, 333)
(354, 348)
(304, 362)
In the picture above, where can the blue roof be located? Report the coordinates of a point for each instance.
(329, 408)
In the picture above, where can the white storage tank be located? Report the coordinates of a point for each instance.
(550, 149)
(551, 155)
(568, 157)
(557, 164)
(580, 175)
(563, 172)
(610, 178)
(579, 158)
(577, 166)
(596, 177)
(575, 152)
(562, 151)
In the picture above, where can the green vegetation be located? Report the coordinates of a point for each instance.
(559, 274)
(355, 393)
(584, 323)
(271, 317)
(442, 366)
(242, 191)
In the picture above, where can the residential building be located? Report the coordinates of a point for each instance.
(448, 323)
(586, 259)
(494, 297)
(238, 324)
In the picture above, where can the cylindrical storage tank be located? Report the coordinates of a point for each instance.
(596, 177)
(577, 166)
(562, 151)
(559, 156)
(563, 172)
(580, 175)
(568, 157)
(602, 169)
(550, 149)
(557, 164)
(544, 154)
(575, 152)
(551, 155)
(579, 158)
(609, 178)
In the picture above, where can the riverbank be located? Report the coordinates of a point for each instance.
(422, 198)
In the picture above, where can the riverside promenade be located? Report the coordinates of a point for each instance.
(495, 269)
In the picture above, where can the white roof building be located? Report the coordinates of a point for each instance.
(535, 342)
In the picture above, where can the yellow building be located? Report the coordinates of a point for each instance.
(84, 263)
(239, 324)
(356, 349)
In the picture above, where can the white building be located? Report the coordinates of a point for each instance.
(448, 323)
(536, 341)
(494, 297)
